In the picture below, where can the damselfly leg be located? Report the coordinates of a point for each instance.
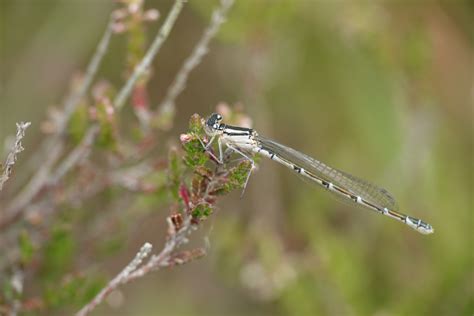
(252, 167)
(207, 146)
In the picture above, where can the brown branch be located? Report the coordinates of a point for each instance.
(119, 279)
(16, 208)
(178, 233)
(166, 258)
(53, 147)
(76, 155)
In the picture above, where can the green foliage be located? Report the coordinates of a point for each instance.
(200, 181)
(175, 172)
(237, 177)
(250, 16)
(78, 123)
(26, 247)
(136, 35)
(136, 43)
(107, 138)
(111, 245)
(76, 290)
(152, 200)
(58, 253)
(196, 125)
(308, 290)
(202, 211)
(195, 155)
(8, 293)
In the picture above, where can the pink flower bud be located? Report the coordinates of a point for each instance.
(185, 138)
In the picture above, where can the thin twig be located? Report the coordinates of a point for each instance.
(12, 155)
(131, 178)
(53, 147)
(164, 258)
(163, 33)
(201, 49)
(119, 279)
(168, 257)
(16, 207)
(78, 94)
(76, 155)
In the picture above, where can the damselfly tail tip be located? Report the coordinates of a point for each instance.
(428, 229)
(419, 225)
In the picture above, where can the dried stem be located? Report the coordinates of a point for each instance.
(21, 200)
(76, 155)
(52, 148)
(119, 279)
(55, 147)
(12, 155)
(202, 47)
(168, 257)
(78, 94)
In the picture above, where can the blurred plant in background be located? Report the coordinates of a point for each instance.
(382, 90)
(41, 237)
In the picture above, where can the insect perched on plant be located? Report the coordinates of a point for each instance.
(247, 142)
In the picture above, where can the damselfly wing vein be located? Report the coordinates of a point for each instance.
(358, 187)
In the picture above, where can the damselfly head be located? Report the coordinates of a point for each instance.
(213, 123)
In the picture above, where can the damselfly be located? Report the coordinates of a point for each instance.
(247, 142)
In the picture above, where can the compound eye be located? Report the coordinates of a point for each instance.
(219, 117)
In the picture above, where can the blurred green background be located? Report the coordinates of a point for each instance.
(382, 90)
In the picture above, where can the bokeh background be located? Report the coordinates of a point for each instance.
(382, 90)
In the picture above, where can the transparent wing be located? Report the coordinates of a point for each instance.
(357, 186)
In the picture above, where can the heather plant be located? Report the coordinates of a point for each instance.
(89, 152)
